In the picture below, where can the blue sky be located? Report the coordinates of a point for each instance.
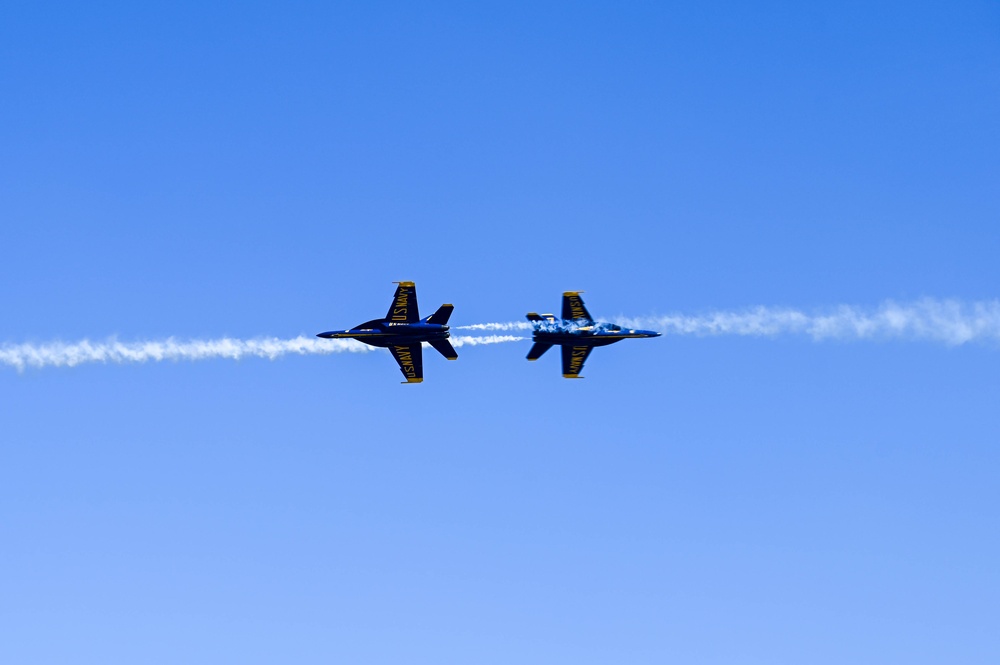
(200, 170)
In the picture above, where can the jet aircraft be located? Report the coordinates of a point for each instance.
(402, 330)
(576, 333)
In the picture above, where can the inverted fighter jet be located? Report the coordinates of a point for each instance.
(402, 330)
(576, 333)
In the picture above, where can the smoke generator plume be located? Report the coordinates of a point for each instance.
(948, 321)
(497, 327)
(60, 354)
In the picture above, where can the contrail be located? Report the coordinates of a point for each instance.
(513, 325)
(486, 339)
(61, 354)
(950, 322)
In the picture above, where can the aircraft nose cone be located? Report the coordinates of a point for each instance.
(326, 335)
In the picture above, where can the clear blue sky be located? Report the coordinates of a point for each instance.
(210, 169)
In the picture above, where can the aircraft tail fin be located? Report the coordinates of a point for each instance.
(538, 349)
(445, 348)
(442, 315)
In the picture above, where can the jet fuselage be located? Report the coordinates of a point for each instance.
(595, 335)
(403, 332)
(386, 333)
(576, 333)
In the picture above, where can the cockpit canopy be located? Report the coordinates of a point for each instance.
(374, 324)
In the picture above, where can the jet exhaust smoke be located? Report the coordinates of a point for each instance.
(486, 339)
(61, 354)
(947, 321)
(950, 322)
(513, 325)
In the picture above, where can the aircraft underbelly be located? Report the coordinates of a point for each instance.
(575, 339)
(385, 341)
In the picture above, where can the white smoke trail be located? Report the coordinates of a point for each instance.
(487, 339)
(513, 325)
(948, 321)
(61, 354)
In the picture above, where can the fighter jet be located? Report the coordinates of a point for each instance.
(576, 333)
(402, 330)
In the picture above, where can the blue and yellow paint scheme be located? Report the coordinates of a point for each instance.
(402, 331)
(577, 333)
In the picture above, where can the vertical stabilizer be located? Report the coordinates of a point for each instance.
(442, 315)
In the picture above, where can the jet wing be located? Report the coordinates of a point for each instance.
(573, 358)
(573, 309)
(411, 361)
(404, 304)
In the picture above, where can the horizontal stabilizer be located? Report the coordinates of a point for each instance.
(444, 347)
(538, 349)
(442, 315)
